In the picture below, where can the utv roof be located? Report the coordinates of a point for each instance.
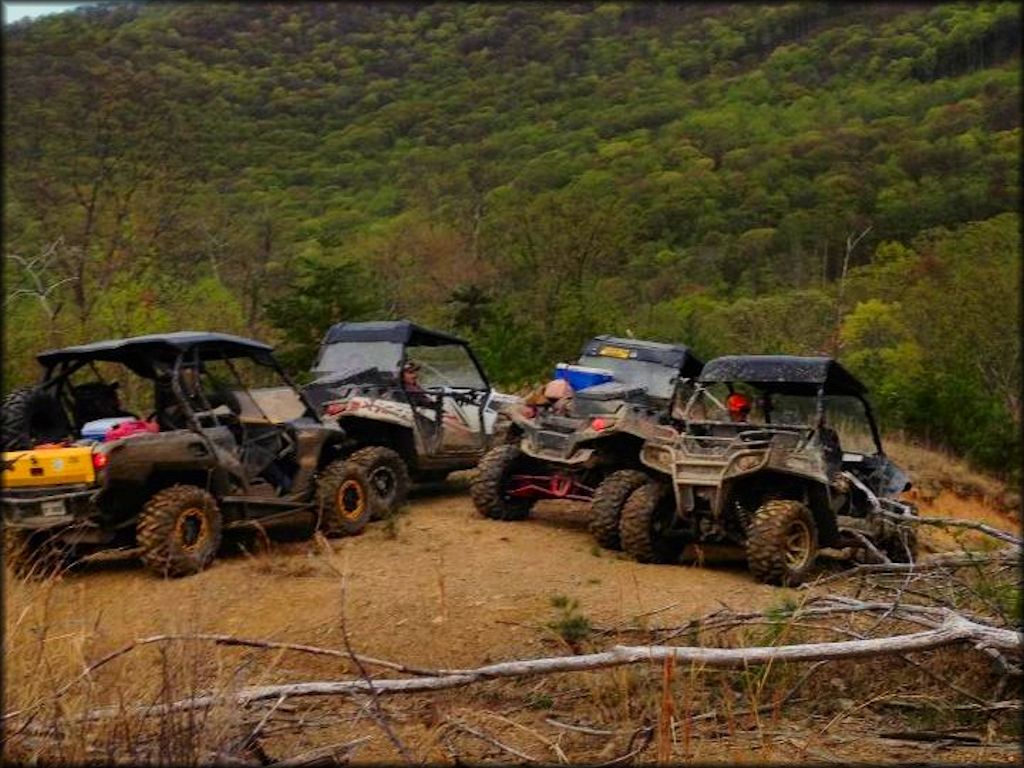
(784, 373)
(398, 331)
(676, 356)
(138, 351)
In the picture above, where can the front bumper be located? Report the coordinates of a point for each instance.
(548, 442)
(569, 455)
(50, 507)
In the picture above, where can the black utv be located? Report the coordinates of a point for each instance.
(586, 447)
(211, 436)
(801, 474)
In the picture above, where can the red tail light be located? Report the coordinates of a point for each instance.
(333, 409)
(100, 460)
(598, 424)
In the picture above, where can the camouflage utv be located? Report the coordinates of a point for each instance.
(590, 452)
(779, 483)
(227, 442)
(415, 404)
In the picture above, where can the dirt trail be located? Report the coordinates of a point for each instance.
(450, 589)
(445, 587)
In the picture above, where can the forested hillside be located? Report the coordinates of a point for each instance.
(839, 178)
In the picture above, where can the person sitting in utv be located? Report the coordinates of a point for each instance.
(739, 407)
(413, 389)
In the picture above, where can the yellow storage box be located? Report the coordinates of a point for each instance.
(47, 466)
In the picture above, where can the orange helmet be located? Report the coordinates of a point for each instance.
(738, 403)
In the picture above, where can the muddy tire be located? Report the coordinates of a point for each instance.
(35, 556)
(606, 507)
(388, 474)
(782, 543)
(179, 531)
(646, 517)
(488, 488)
(345, 501)
(30, 416)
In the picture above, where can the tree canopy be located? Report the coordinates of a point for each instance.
(531, 174)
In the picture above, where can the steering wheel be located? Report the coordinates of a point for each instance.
(751, 435)
(468, 396)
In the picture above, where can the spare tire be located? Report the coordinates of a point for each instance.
(31, 416)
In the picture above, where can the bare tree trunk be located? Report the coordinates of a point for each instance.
(851, 243)
(39, 284)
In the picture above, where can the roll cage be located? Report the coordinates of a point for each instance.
(401, 333)
(162, 358)
(817, 377)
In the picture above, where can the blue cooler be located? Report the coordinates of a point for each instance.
(581, 377)
(95, 430)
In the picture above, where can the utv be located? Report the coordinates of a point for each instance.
(624, 389)
(414, 403)
(213, 453)
(784, 488)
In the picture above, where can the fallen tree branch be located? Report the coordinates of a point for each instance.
(460, 726)
(931, 563)
(330, 752)
(585, 728)
(879, 555)
(229, 640)
(954, 630)
(949, 522)
(647, 734)
(818, 607)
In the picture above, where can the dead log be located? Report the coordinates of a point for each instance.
(954, 629)
(948, 522)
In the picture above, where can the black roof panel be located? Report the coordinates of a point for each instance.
(161, 346)
(677, 356)
(398, 331)
(784, 373)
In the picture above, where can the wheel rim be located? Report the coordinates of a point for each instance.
(351, 500)
(797, 544)
(384, 481)
(191, 529)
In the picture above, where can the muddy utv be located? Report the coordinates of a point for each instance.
(587, 447)
(415, 404)
(220, 440)
(777, 480)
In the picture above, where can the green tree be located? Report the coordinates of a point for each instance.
(318, 296)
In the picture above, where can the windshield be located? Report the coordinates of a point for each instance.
(347, 357)
(846, 415)
(843, 414)
(657, 380)
(446, 366)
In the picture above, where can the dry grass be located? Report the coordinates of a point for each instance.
(934, 472)
(43, 656)
(766, 713)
